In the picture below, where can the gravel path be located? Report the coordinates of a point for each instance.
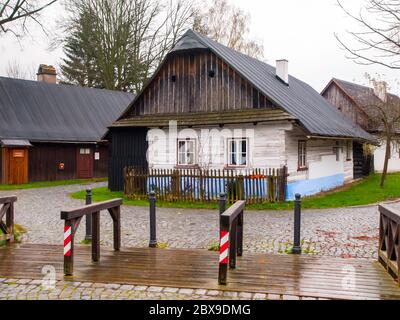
(350, 232)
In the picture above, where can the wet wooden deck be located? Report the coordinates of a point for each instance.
(307, 276)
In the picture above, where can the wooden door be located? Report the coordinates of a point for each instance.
(84, 166)
(18, 162)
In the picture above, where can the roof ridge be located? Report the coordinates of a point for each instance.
(63, 85)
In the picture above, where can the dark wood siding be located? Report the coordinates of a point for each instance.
(1, 165)
(100, 167)
(184, 85)
(345, 105)
(44, 160)
(128, 148)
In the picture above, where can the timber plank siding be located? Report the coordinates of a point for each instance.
(45, 158)
(128, 148)
(197, 81)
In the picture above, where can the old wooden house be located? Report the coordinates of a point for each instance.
(54, 132)
(208, 106)
(357, 102)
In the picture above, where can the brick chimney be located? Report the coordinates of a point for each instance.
(47, 74)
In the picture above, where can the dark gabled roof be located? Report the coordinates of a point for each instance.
(363, 97)
(316, 114)
(38, 111)
(313, 111)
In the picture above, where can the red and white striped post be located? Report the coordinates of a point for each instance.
(68, 249)
(224, 241)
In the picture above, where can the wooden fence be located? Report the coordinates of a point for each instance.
(253, 185)
(389, 240)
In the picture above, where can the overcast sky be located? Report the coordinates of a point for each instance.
(300, 31)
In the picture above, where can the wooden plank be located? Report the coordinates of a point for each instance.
(8, 199)
(81, 211)
(278, 274)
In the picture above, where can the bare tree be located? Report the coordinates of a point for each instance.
(384, 113)
(121, 42)
(14, 14)
(17, 71)
(229, 25)
(378, 39)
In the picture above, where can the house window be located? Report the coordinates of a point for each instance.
(237, 152)
(186, 152)
(348, 150)
(84, 151)
(302, 155)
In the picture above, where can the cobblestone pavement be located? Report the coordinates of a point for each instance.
(350, 232)
(27, 289)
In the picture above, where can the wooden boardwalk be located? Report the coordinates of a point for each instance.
(307, 276)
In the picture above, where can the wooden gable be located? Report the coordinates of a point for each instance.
(339, 98)
(196, 81)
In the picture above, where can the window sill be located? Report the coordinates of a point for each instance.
(235, 167)
(182, 166)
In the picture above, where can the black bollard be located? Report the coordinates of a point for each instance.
(153, 235)
(88, 235)
(222, 203)
(297, 225)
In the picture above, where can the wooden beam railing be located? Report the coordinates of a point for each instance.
(389, 240)
(73, 218)
(231, 237)
(7, 211)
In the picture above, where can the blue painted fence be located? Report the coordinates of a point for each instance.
(254, 186)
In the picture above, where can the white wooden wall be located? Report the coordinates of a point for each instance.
(271, 145)
(394, 161)
(321, 159)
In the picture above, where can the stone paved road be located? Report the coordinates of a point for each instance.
(27, 289)
(351, 232)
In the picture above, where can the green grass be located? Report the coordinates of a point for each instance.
(103, 194)
(47, 184)
(360, 193)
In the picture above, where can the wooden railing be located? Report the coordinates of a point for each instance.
(253, 186)
(389, 240)
(231, 238)
(73, 218)
(7, 211)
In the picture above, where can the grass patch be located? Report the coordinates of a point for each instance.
(363, 192)
(103, 194)
(47, 184)
(18, 232)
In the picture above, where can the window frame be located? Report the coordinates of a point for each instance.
(349, 156)
(302, 155)
(228, 152)
(178, 153)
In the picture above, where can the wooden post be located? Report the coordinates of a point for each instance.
(223, 250)
(69, 234)
(233, 245)
(10, 222)
(297, 225)
(96, 236)
(88, 235)
(240, 235)
(222, 203)
(117, 227)
(153, 222)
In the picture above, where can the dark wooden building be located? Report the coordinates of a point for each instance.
(54, 132)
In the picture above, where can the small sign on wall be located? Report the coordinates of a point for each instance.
(97, 156)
